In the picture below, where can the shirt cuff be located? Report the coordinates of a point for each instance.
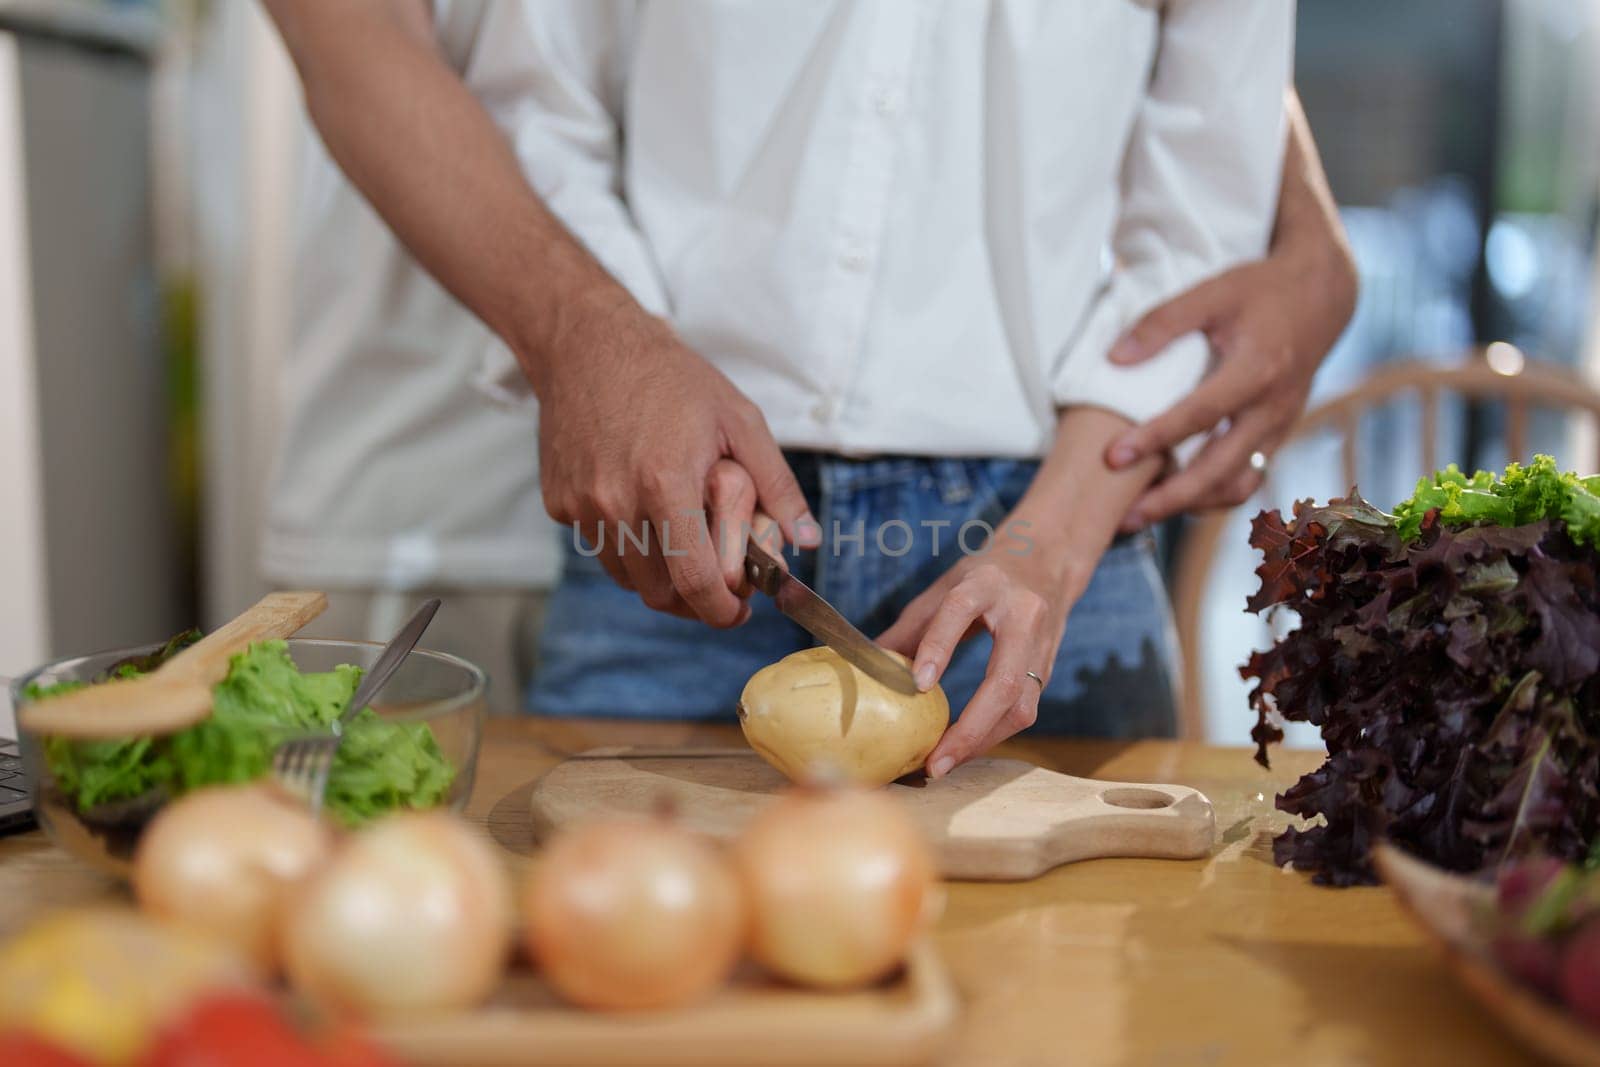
(1139, 391)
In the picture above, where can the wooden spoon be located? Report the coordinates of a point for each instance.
(178, 693)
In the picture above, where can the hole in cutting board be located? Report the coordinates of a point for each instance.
(1136, 798)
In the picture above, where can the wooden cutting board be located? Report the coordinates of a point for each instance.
(989, 820)
(753, 1022)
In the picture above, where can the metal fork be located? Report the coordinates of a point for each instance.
(302, 764)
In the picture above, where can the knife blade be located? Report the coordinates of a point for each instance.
(822, 620)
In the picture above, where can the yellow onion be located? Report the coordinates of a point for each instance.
(813, 710)
(840, 882)
(221, 859)
(413, 914)
(633, 914)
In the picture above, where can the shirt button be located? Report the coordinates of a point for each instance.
(855, 261)
(823, 410)
(887, 103)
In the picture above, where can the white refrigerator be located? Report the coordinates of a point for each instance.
(89, 539)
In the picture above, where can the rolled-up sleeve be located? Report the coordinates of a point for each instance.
(1199, 190)
(553, 75)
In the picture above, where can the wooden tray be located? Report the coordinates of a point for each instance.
(754, 1022)
(1446, 907)
(991, 819)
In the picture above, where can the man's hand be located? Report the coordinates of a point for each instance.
(630, 440)
(735, 521)
(632, 421)
(1270, 324)
(1022, 600)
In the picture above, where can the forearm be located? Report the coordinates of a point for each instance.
(1076, 503)
(434, 165)
(1307, 229)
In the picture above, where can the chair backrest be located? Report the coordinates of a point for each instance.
(1496, 374)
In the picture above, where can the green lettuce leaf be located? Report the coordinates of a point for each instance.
(1522, 495)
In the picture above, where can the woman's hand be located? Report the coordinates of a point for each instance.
(1022, 598)
(1270, 324)
(1022, 588)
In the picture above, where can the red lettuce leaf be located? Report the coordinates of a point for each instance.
(1452, 675)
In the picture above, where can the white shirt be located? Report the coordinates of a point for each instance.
(892, 223)
(392, 469)
(904, 226)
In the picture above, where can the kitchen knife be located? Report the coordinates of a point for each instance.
(820, 619)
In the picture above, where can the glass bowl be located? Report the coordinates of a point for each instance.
(442, 691)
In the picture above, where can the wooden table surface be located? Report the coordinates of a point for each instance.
(1226, 960)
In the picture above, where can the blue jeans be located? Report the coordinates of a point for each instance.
(604, 654)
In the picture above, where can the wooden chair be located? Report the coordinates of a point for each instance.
(1495, 374)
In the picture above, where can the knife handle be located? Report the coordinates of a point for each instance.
(761, 570)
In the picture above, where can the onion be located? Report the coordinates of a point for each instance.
(840, 883)
(631, 914)
(220, 860)
(413, 914)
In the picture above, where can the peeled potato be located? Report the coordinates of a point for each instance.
(813, 712)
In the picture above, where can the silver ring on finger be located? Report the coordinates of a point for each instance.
(1036, 678)
(1258, 462)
